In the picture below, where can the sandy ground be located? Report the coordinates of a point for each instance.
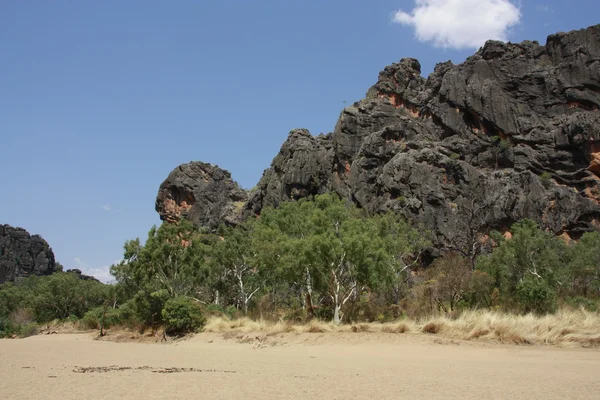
(290, 366)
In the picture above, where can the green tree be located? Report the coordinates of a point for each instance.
(233, 259)
(584, 266)
(327, 247)
(173, 259)
(530, 254)
(404, 246)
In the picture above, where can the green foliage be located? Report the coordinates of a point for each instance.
(546, 180)
(57, 296)
(535, 295)
(584, 271)
(215, 310)
(172, 259)
(313, 258)
(454, 156)
(234, 265)
(530, 253)
(182, 315)
(7, 328)
(94, 318)
(582, 302)
(29, 329)
(502, 144)
(146, 307)
(327, 247)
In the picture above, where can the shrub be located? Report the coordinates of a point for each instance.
(231, 312)
(93, 318)
(536, 296)
(29, 329)
(73, 318)
(7, 328)
(546, 180)
(182, 315)
(146, 307)
(578, 302)
(215, 310)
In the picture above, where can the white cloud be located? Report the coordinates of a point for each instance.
(101, 273)
(106, 207)
(460, 24)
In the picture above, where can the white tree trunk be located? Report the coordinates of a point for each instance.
(336, 314)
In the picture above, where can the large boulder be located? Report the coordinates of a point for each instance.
(202, 193)
(511, 133)
(23, 255)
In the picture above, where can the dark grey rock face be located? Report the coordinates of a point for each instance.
(301, 169)
(23, 255)
(203, 193)
(515, 130)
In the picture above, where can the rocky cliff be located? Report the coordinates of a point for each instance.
(511, 133)
(22, 254)
(203, 193)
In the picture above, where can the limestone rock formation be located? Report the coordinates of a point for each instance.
(203, 193)
(511, 133)
(23, 255)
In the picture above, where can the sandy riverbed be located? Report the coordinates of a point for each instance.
(290, 366)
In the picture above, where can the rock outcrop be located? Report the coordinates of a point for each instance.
(23, 255)
(202, 193)
(511, 133)
(77, 272)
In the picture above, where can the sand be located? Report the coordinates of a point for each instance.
(290, 366)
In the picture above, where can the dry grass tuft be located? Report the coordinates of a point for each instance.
(434, 327)
(578, 328)
(566, 327)
(400, 327)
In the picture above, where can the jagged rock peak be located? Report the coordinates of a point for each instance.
(302, 168)
(203, 193)
(515, 128)
(23, 255)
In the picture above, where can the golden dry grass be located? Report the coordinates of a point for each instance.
(573, 328)
(566, 327)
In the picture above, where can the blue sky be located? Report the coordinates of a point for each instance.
(100, 100)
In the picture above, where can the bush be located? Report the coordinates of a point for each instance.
(578, 302)
(146, 307)
(215, 310)
(182, 315)
(231, 312)
(546, 180)
(93, 318)
(7, 328)
(536, 296)
(30, 329)
(73, 318)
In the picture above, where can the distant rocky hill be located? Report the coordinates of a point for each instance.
(511, 133)
(23, 255)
